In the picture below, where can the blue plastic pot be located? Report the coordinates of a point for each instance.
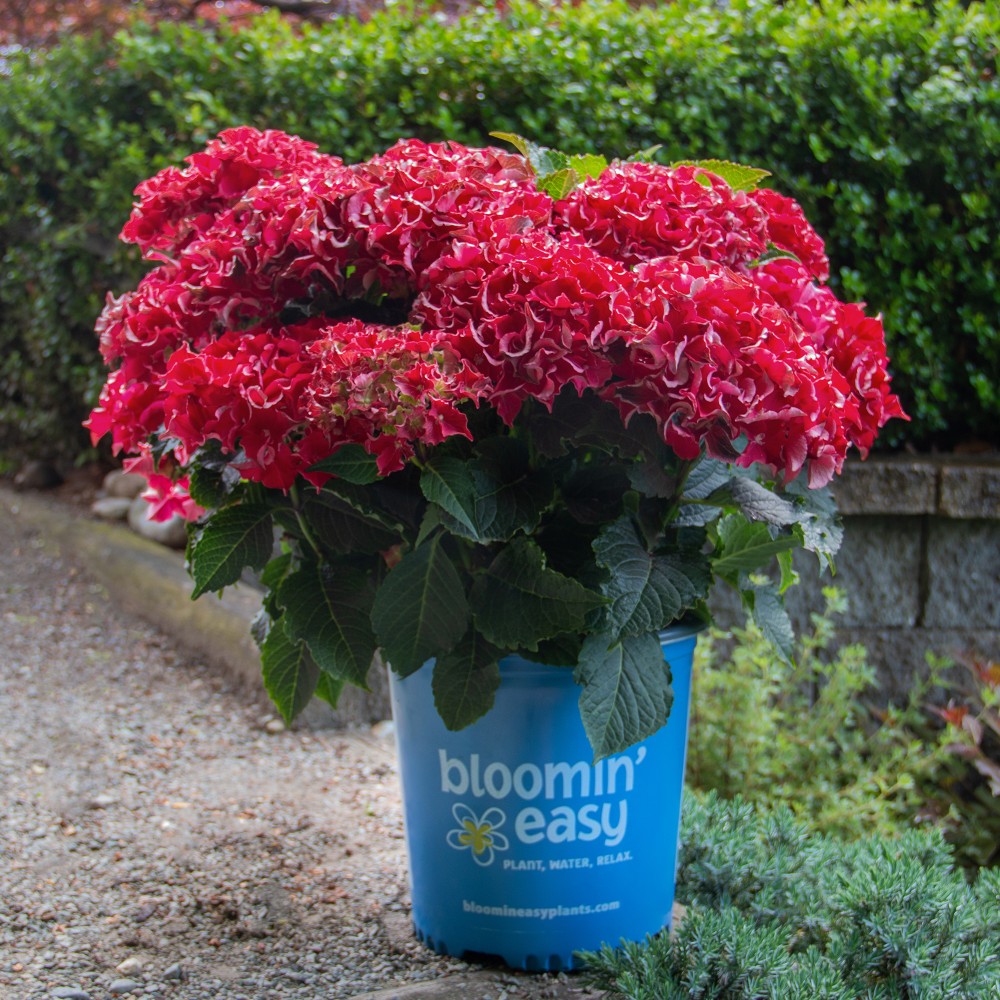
(520, 848)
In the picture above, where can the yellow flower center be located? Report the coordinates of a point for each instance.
(476, 837)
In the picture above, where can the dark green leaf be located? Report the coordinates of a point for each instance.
(342, 528)
(756, 502)
(626, 694)
(646, 593)
(208, 487)
(822, 530)
(420, 610)
(518, 601)
(231, 539)
(350, 462)
(329, 688)
(770, 616)
(465, 681)
(706, 477)
(449, 482)
(330, 611)
(276, 570)
(290, 673)
(746, 546)
(593, 494)
(651, 479)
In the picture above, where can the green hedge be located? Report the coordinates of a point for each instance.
(882, 118)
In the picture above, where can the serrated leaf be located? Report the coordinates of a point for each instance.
(420, 610)
(230, 540)
(705, 477)
(543, 160)
(276, 570)
(746, 546)
(517, 141)
(737, 175)
(822, 531)
(342, 528)
(651, 479)
(330, 612)
(559, 183)
(290, 673)
(208, 487)
(646, 593)
(465, 681)
(756, 502)
(449, 483)
(593, 493)
(352, 463)
(627, 694)
(329, 688)
(771, 618)
(588, 164)
(518, 601)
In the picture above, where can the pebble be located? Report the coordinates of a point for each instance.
(69, 993)
(132, 966)
(122, 986)
(175, 973)
(171, 533)
(111, 508)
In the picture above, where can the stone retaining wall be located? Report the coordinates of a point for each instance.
(920, 562)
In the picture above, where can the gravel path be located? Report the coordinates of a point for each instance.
(160, 837)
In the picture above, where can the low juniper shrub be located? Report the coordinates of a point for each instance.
(777, 911)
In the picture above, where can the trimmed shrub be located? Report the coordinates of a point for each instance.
(882, 118)
(776, 911)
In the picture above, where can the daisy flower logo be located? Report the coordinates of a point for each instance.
(478, 834)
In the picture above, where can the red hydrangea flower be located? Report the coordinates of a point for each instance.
(717, 358)
(388, 389)
(534, 313)
(788, 230)
(640, 284)
(420, 196)
(637, 211)
(853, 343)
(177, 205)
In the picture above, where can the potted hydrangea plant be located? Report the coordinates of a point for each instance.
(510, 416)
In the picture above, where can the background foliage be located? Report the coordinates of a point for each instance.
(817, 738)
(882, 118)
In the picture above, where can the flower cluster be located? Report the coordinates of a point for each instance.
(299, 304)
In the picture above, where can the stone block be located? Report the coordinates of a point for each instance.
(878, 568)
(970, 491)
(887, 486)
(963, 561)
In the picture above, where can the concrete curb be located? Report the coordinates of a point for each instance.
(149, 581)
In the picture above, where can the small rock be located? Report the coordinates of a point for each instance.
(111, 508)
(123, 485)
(102, 801)
(175, 973)
(69, 993)
(122, 986)
(37, 475)
(275, 726)
(172, 533)
(130, 967)
(384, 730)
